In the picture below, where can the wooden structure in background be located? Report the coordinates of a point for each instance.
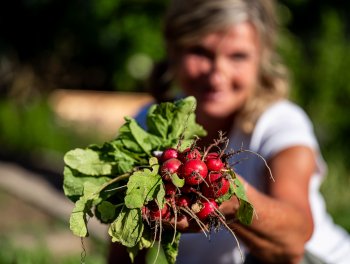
(102, 112)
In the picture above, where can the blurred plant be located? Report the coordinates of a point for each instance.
(31, 128)
(320, 80)
(336, 192)
(78, 44)
(40, 254)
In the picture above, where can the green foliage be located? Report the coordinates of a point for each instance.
(88, 162)
(101, 167)
(144, 186)
(33, 127)
(330, 72)
(171, 247)
(245, 211)
(91, 45)
(320, 79)
(10, 254)
(336, 192)
(128, 228)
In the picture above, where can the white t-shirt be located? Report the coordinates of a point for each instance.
(282, 125)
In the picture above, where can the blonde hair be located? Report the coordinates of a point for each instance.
(188, 20)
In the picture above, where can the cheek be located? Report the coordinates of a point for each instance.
(247, 76)
(189, 67)
(192, 66)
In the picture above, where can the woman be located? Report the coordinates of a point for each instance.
(223, 53)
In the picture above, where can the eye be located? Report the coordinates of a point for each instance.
(200, 51)
(239, 56)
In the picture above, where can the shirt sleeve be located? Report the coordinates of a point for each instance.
(282, 126)
(141, 116)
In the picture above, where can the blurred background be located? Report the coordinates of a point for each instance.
(70, 70)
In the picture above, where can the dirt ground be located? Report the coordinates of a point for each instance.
(32, 217)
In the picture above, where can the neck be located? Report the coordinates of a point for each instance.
(213, 125)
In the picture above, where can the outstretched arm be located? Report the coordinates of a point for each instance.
(283, 221)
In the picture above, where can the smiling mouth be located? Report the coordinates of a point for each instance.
(215, 96)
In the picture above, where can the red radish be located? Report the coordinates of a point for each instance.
(187, 189)
(214, 164)
(170, 189)
(207, 210)
(169, 167)
(183, 201)
(169, 153)
(214, 176)
(194, 171)
(212, 155)
(144, 211)
(189, 154)
(216, 189)
(157, 213)
(205, 179)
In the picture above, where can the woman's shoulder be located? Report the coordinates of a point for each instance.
(283, 124)
(284, 114)
(283, 109)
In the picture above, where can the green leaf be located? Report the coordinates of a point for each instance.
(136, 139)
(171, 248)
(160, 196)
(127, 229)
(159, 118)
(184, 120)
(107, 211)
(91, 191)
(153, 161)
(178, 182)
(78, 221)
(228, 195)
(145, 241)
(170, 120)
(133, 251)
(124, 159)
(146, 141)
(73, 182)
(245, 212)
(143, 186)
(88, 161)
(239, 189)
(125, 136)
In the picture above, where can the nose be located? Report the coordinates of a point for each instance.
(216, 78)
(218, 73)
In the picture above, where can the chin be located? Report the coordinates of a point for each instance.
(215, 111)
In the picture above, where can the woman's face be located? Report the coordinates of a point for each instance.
(221, 70)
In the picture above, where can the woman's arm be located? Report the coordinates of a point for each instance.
(283, 221)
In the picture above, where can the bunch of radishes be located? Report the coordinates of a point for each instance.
(205, 177)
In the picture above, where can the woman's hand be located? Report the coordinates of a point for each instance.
(230, 207)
